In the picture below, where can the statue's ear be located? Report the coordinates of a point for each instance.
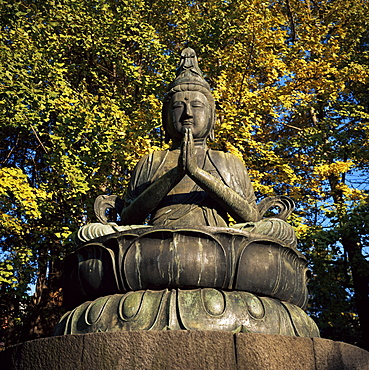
(166, 137)
(164, 120)
(211, 133)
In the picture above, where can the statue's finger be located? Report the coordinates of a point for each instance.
(190, 137)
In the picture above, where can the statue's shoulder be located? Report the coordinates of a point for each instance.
(153, 158)
(221, 158)
(150, 166)
(160, 154)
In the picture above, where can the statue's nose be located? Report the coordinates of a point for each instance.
(188, 109)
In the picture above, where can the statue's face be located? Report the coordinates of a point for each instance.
(189, 109)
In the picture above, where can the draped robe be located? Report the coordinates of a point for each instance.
(187, 204)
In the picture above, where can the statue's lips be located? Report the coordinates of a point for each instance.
(187, 123)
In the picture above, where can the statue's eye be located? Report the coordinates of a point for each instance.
(197, 104)
(178, 104)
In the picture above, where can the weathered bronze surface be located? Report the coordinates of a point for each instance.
(187, 269)
(198, 309)
(159, 257)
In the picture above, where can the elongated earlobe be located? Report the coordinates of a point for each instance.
(212, 135)
(166, 137)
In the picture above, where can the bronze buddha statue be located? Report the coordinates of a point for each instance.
(189, 185)
(187, 268)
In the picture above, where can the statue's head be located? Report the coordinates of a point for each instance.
(189, 103)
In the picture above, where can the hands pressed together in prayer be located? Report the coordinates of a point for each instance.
(187, 162)
(227, 198)
(237, 206)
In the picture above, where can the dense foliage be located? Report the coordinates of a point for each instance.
(81, 83)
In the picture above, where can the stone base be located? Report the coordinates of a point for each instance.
(183, 350)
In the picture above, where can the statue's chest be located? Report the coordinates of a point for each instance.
(187, 185)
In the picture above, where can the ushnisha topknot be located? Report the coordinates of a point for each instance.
(188, 78)
(188, 71)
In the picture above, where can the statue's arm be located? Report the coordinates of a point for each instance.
(238, 207)
(149, 199)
